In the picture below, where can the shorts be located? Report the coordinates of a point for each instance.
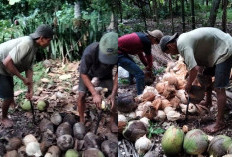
(221, 72)
(6, 87)
(105, 83)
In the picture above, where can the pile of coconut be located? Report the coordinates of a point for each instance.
(60, 135)
(195, 142)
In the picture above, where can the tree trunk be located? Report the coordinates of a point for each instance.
(224, 15)
(213, 12)
(177, 6)
(77, 10)
(207, 2)
(170, 11)
(183, 15)
(193, 14)
(156, 18)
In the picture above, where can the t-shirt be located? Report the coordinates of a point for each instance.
(91, 66)
(204, 47)
(22, 51)
(136, 44)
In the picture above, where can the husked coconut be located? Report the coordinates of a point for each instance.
(160, 87)
(95, 81)
(33, 148)
(192, 108)
(48, 138)
(79, 131)
(65, 142)
(132, 115)
(150, 89)
(173, 115)
(181, 84)
(142, 145)
(12, 153)
(46, 124)
(28, 139)
(70, 118)
(168, 109)
(165, 103)
(149, 112)
(148, 96)
(91, 140)
(64, 129)
(139, 113)
(110, 148)
(157, 104)
(13, 144)
(185, 128)
(169, 91)
(126, 103)
(175, 101)
(160, 115)
(92, 152)
(54, 151)
(145, 121)
(171, 79)
(122, 122)
(181, 95)
(134, 130)
(22, 151)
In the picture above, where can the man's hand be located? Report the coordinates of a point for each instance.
(97, 99)
(111, 99)
(29, 94)
(26, 81)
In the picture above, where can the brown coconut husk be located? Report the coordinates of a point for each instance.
(121, 126)
(160, 87)
(157, 104)
(148, 96)
(165, 103)
(149, 112)
(175, 101)
(169, 91)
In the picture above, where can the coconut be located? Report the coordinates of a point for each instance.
(95, 81)
(42, 105)
(126, 103)
(92, 152)
(26, 105)
(79, 131)
(185, 129)
(160, 87)
(33, 149)
(181, 95)
(169, 91)
(145, 121)
(71, 153)
(148, 96)
(48, 139)
(70, 118)
(168, 109)
(110, 148)
(22, 151)
(139, 113)
(134, 130)
(173, 115)
(157, 104)
(64, 129)
(165, 103)
(122, 122)
(46, 124)
(28, 139)
(195, 142)
(149, 112)
(91, 140)
(13, 144)
(142, 145)
(150, 89)
(54, 151)
(12, 153)
(175, 101)
(172, 140)
(65, 142)
(219, 145)
(56, 118)
(160, 115)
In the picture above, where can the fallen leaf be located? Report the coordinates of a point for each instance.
(17, 93)
(65, 76)
(45, 80)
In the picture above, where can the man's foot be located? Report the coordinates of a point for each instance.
(214, 127)
(113, 128)
(7, 123)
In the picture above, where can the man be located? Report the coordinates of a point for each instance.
(211, 49)
(16, 56)
(98, 61)
(137, 44)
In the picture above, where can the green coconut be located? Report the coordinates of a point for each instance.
(172, 140)
(26, 105)
(42, 105)
(219, 145)
(195, 142)
(71, 153)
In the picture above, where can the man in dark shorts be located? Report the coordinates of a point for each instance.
(17, 56)
(137, 44)
(206, 48)
(98, 61)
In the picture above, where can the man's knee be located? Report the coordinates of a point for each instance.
(81, 96)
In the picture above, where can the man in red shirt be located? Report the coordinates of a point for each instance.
(137, 44)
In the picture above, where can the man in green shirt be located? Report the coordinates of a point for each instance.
(211, 49)
(16, 56)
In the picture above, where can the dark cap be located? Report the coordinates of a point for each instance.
(108, 46)
(43, 30)
(167, 39)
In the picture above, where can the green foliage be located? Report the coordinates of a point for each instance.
(154, 130)
(123, 81)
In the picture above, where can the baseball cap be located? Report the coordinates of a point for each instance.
(108, 47)
(167, 39)
(156, 34)
(43, 30)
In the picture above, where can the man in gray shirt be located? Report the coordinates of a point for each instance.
(98, 61)
(211, 49)
(17, 56)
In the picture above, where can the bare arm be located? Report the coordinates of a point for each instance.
(29, 75)
(191, 78)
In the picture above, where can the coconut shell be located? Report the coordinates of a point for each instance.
(92, 152)
(134, 130)
(171, 79)
(79, 131)
(64, 129)
(91, 140)
(126, 103)
(157, 104)
(48, 138)
(56, 118)
(54, 150)
(110, 148)
(219, 145)
(70, 118)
